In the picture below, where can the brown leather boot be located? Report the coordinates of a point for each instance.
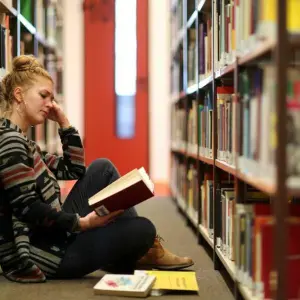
(160, 258)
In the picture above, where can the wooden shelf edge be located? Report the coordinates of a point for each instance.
(201, 5)
(225, 167)
(206, 160)
(260, 48)
(178, 151)
(230, 267)
(27, 24)
(190, 217)
(246, 292)
(203, 83)
(228, 264)
(192, 155)
(204, 233)
(257, 182)
(224, 71)
(181, 202)
(178, 198)
(8, 9)
(192, 89)
(192, 19)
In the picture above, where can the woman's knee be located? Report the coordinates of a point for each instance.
(145, 231)
(101, 165)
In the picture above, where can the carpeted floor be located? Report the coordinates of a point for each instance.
(178, 238)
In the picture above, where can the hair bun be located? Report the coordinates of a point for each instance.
(25, 63)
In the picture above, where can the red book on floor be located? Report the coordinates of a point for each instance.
(128, 191)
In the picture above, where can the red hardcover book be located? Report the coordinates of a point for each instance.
(292, 259)
(128, 191)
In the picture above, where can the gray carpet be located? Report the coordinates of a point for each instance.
(178, 238)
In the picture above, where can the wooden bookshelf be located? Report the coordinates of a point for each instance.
(7, 7)
(224, 71)
(205, 235)
(204, 82)
(226, 167)
(227, 64)
(36, 27)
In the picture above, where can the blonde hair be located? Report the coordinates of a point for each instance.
(25, 69)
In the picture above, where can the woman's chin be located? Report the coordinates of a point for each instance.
(38, 121)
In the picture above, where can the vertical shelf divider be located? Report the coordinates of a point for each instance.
(281, 199)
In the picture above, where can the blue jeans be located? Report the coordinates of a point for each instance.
(114, 248)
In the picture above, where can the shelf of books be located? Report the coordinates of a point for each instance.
(235, 137)
(35, 27)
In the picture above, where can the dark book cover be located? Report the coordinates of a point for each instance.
(123, 199)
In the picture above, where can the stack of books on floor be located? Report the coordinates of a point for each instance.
(144, 283)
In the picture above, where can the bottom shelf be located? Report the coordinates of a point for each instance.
(246, 292)
(228, 264)
(206, 236)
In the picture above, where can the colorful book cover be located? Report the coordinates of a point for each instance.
(126, 285)
(173, 280)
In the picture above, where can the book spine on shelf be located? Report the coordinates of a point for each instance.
(225, 134)
(6, 45)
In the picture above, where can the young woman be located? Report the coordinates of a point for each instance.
(39, 236)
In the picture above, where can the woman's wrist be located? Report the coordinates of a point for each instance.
(84, 224)
(64, 124)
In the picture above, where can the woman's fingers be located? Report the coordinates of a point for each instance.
(110, 217)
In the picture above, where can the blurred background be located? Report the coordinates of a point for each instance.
(110, 62)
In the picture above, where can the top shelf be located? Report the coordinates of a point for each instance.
(8, 9)
(182, 32)
(27, 25)
(193, 17)
(261, 48)
(4, 8)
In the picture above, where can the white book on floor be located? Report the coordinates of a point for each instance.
(125, 285)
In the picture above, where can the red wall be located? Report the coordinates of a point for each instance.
(100, 136)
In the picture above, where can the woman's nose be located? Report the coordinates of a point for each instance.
(49, 104)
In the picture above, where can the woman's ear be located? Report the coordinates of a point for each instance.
(18, 94)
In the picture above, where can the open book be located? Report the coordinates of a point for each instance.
(127, 191)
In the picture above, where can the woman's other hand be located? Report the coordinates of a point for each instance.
(92, 220)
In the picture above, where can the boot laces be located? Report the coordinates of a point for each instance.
(159, 238)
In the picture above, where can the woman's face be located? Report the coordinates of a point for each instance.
(37, 101)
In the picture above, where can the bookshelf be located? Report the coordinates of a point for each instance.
(35, 27)
(235, 103)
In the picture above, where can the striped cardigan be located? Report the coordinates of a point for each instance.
(34, 231)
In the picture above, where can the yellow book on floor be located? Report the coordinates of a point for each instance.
(293, 20)
(172, 280)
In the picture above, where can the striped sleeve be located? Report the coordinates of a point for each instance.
(72, 164)
(19, 185)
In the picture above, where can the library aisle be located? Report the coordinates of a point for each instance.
(165, 216)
